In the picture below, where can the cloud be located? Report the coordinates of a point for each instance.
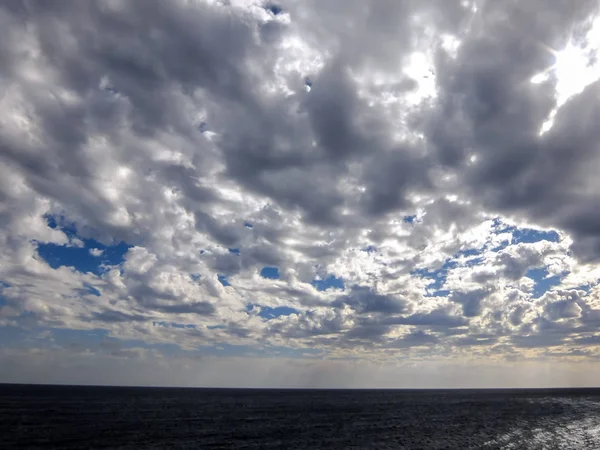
(352, 179)
(364, 300)
(485, 93)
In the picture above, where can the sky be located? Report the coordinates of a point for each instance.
(384, 193)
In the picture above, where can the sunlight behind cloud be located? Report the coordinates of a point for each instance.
(420, 69)
(576, 66)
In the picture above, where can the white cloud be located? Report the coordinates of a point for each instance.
(96, 252)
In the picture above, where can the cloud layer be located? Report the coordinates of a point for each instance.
(384, 181)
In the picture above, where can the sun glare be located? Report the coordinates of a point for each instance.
(420, 69)
(573, 72)
(575, 67)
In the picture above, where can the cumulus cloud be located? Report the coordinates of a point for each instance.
(361, 180)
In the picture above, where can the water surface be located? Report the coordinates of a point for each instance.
(128, 418)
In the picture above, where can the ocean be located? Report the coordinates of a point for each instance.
(68, 417)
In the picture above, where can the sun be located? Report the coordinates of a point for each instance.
(573, 72)
(575, 67)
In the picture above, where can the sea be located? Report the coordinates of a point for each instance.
(77, 417)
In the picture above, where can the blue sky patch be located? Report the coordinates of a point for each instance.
(223, 280)
(524, 235)
(470, 257)
(473, 261)
(528, 235)
(543, 283)
(469, 252)
(267, 312)
(92, 290)
(409, 219)
(585, 287)
(80, 258)
(275, 9)
(248, 225)
(437, 277)
(3, 285)
(235, 251)
(271, 273)
(330, 282)
(60, 224)
(181, 325)
(215, 327)
(173, 325)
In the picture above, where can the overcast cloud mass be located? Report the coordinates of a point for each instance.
(301, 193)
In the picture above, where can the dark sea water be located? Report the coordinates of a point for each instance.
(152, 418)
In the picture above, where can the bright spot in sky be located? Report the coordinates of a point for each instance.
(123, 172)
(450, 44)
(540, 78)
(575, 67)
(420, 69)
(574, 71)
